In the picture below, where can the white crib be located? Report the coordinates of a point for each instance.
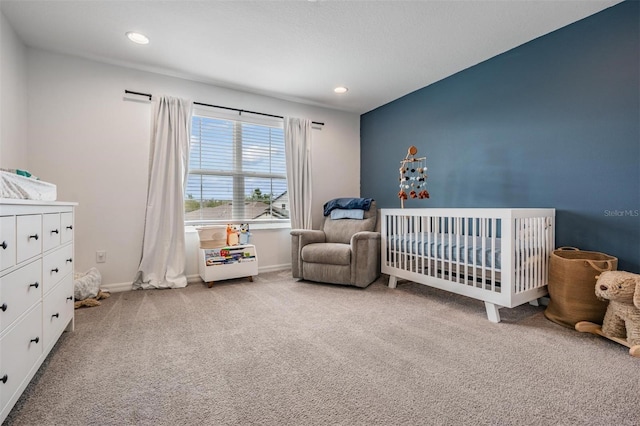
(499, 256)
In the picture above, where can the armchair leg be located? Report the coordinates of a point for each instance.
(393, 281)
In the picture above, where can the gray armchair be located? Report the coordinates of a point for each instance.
(344, 251)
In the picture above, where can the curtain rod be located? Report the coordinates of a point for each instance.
(218, 106)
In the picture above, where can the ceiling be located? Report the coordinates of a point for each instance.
(296, 50)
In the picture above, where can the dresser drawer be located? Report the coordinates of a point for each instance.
(7, 242)
(19, 291)
(28, 236)
(57, 310)
(56, 265)
(20, 349)
(50, 231)
(66, 227)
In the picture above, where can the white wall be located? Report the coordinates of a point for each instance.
(13, 98)
(84, 136)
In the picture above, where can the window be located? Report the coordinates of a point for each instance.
(237, 171)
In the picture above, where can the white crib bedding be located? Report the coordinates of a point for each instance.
(456, 248)
(24, 188)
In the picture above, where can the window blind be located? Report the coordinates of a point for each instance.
(237, 172)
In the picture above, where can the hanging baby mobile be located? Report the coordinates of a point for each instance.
(413, 176)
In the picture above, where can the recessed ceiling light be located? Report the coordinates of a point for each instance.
(340, 89)
(138, 38)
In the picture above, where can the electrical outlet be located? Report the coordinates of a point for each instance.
(101, 256)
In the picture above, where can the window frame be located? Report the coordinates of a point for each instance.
(238, 119)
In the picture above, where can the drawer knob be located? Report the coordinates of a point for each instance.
(55, 270)
(54, 231)
(70, 227)
(56, 315)
(4, 245)
(3, 307)
(4, 379)
(34, 284)
(36, 340)
(34, 236)
(69, 260)
(70, 298)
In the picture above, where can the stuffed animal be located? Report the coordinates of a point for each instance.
(244, 233)
(232, 235)
(622, 290)
(91, 301)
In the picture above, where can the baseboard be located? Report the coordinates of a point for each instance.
(273, 268)
(195, 278)
(117, 287)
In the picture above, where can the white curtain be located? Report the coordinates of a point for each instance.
(297, 142)
(163, 247)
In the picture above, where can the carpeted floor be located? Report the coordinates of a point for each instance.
(282, 352)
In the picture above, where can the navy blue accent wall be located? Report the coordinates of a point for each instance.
(551, 123)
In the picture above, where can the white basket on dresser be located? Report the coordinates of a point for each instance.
(36, 289)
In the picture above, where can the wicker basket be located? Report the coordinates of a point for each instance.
(212, 236)
(572, 279)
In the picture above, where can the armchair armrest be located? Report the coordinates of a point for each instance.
(299, 239)
(364, 236)
(365, 261)
(308, 236)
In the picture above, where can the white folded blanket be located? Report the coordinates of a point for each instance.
(24, 188)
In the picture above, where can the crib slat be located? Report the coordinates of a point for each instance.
(394, 245)
(433, 244)
(449, 255)
(518, 256)
(391, 232)
(436, 244)
(457, 252)
(526, 231)
(405, 232)
(534, 253)
(539, 244)
(423, 255)
(493, 253)
(414, 244)
(416, 248)
(529, 234)
(483, 265)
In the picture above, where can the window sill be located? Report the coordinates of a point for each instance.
(188, 228)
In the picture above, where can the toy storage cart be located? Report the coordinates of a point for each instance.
(224, 263)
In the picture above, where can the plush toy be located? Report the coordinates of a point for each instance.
(244, 233)
(622, 319)
(91, 301)
(232, 235)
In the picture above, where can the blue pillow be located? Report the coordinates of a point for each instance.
(347, 214)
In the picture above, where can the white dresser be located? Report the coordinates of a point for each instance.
(36, 289)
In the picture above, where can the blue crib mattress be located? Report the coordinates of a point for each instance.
(463, 249)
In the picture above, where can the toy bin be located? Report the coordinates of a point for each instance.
(224, 263)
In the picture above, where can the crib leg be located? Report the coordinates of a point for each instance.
(393, 281)
(535, 302)
(492, 312)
